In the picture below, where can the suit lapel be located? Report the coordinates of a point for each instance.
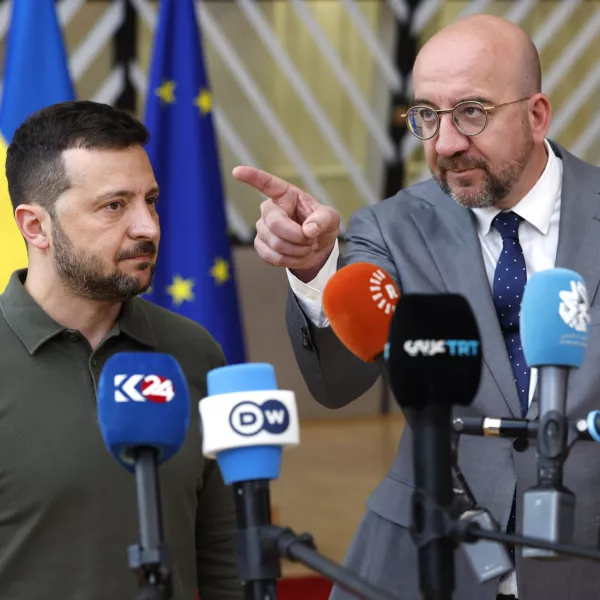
(579, 236)
(450, 233)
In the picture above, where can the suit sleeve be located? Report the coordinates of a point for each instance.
(334, 376)
(215, 539)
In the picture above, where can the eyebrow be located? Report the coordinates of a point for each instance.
(426, 102)
(124, 194)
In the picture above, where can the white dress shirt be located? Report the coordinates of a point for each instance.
(538, 235)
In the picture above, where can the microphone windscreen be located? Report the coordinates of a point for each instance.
(143, 401)
(359, 301)
(245, 377)
(246, 421)
(434, 352)
(554, 320)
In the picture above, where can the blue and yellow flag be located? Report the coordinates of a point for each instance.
(194, 272)
(35, 75)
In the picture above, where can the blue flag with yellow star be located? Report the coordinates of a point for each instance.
(194, 271)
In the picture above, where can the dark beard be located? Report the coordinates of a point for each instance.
(496, 186)
(82, 272)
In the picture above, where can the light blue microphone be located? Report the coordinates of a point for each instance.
(555, 319)
(246, 422)
(554, 324)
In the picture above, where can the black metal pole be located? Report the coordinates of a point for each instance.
(395, 172)
(301, 549)
(258, 567)
(124, 54)
(471, 532)
(150, 559)
(404, 58)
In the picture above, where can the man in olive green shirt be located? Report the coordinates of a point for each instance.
(85, 198)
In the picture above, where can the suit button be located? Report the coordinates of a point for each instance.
(521, 444)
(306, 339)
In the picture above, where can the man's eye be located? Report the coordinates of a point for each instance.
(427, 114)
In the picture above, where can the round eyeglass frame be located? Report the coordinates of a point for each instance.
(441, 111)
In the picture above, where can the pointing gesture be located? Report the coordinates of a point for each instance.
(294, 230)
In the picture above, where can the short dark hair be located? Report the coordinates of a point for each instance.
(35, 168)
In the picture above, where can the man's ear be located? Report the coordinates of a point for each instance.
(34, 223)
(539, 117)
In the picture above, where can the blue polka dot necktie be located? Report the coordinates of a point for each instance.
(509, 284)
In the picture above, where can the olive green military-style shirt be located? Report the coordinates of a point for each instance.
(68, 510)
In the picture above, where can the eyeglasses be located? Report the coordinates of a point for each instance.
(469, 117)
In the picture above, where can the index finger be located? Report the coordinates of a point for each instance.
(271, 186)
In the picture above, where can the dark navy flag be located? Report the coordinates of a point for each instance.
(194, 274)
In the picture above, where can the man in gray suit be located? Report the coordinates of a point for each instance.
(498, 185)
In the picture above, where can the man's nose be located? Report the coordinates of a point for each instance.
(449, 141)
(144, 224)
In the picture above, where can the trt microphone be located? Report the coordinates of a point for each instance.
(246, 423)
(554, 325)
(435, 362)
(143, 411)
(359, 301)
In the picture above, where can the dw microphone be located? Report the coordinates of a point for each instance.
(246, 423)
(554, 326)
(143, 411)
(359, 301)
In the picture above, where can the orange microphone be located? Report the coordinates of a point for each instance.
(359, 301)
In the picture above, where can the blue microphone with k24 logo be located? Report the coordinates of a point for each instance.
(143, 411)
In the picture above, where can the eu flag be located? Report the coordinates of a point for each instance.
(35, 75)
(194, 272)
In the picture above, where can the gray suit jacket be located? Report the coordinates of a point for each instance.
(429, 244)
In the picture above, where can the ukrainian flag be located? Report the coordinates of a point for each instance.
(35, 75)
(194, 271)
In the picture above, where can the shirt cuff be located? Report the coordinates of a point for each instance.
(310, 295)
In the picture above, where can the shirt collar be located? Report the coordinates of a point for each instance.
(537, 205)
(34, 327)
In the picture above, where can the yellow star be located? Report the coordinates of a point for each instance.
(203, 101)
(220, 271)
(181, 290)
(166, 92)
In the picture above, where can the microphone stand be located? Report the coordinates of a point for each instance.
(577, 430)
(260, 545)
(443, 526)
(432, 498)
(300, 548)
(150, 560)
(471, 532)
(258, 567)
